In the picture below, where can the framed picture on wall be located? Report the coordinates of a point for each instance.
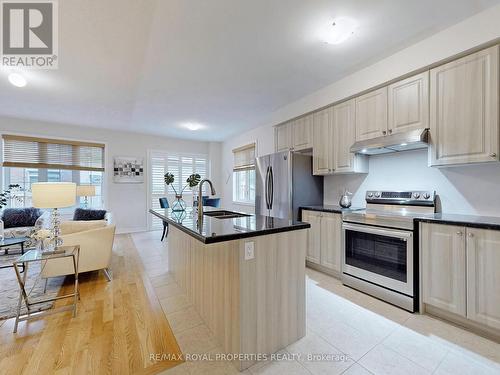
(128, 170)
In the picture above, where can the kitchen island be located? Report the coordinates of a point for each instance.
(245, 276)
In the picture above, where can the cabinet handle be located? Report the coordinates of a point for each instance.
(390, 131)
(459, 233)
(493, 155)
(471, 235)
(384, 132)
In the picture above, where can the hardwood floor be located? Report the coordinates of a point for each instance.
(118, 327)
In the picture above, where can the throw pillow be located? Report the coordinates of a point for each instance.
(20, 217)
(82, 214)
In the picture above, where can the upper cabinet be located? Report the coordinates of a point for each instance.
(371, 114)
(302, 133)
(294, 135)
(322, 142)
(282, 137)
(344, 135)
(464, 110)
(409, 104)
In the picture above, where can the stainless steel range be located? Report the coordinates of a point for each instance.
(379, 242)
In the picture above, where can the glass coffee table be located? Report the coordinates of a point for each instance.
(24, 261)
(8, 242)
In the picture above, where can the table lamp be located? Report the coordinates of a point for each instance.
(54, 195)
(85, 191)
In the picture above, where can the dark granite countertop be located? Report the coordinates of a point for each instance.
(473, 221)
(331, 208)
(219, 230)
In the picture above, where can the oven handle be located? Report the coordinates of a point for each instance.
(403, 235)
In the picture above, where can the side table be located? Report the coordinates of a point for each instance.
(38, 256)
(7, 242)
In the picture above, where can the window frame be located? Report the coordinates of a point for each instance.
(105, 173)
(235, 199)
(187, 194)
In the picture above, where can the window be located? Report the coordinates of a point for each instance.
(27, 160)
(244, 186)
(181, 166)
(244, 174)
(27, 176)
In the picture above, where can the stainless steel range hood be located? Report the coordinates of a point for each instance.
(411, 140)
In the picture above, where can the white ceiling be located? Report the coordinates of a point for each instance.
(147, 66)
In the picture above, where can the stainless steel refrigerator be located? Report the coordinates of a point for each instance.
(284, 182)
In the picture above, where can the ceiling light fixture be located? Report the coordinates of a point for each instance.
(364, 150)
(404, 144)
(339, 30)
(17, 80)
(193, 126)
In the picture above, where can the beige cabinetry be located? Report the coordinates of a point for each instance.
(314, 235)
(461, 271)
(325, 239)
(283, 137)
(302, 133)
(371, 114)
(408, 102)
(322, 142)
(483, 276)
(442, 249)
(294, 135)
(464, 110)
(344, 135)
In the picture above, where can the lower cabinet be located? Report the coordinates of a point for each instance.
(324, 239)
(461, 271)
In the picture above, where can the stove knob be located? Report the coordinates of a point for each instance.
(416, 195)
(427, 195)
(377, 194)
(370, 195)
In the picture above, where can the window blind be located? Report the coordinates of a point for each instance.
(244, 157)
(31, 152)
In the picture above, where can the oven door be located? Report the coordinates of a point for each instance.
(379, 255)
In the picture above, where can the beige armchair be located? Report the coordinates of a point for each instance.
(96, 244)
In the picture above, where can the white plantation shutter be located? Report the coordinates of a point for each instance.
(244, 157)
(181, 166)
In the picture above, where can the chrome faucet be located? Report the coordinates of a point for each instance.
(200, 197)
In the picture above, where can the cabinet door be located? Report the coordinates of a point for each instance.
(409, 104)
(282, 137)
(483, 276)
(314, 235)
(371, 114)
(322, 142)
(331, 238)
(302, 133)
(464, 110)
(442, 248)
(344, 135)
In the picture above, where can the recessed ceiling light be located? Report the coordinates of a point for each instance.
(193, 126)
(17, 80)
(339, 30)
(364, 150)
(404, 144)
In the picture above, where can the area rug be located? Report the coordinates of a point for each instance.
(9, 287)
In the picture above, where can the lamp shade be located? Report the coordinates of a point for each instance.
(53, 194)
(85, 191)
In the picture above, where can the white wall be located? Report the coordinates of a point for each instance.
(455, 185)
(127, 202)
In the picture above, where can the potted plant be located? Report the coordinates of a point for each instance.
(192, 181)
(4, 201)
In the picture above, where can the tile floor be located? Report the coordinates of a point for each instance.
(353, 333)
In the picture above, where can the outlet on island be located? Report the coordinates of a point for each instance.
(249, 250)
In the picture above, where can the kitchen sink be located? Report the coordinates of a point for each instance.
(223, 214)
